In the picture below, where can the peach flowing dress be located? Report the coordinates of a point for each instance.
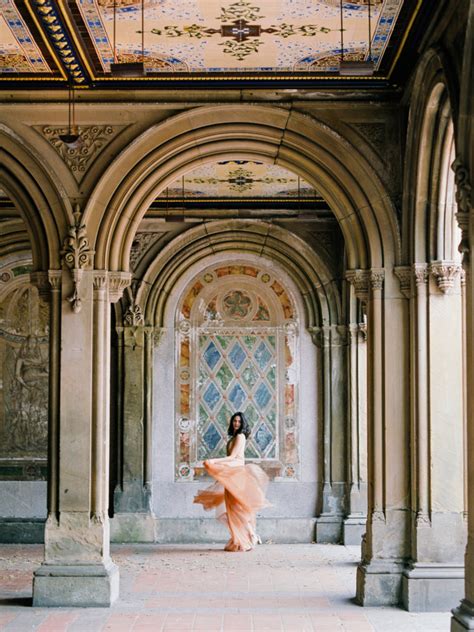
(237, 495)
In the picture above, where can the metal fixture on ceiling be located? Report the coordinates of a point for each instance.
(363, 68)
(133, 68)
(72, 139)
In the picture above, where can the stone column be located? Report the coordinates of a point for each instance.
(355, 521)
(463, 615)
(433, 578)
(385, 544)
(133, 518)
(77, 569)
(331, 341)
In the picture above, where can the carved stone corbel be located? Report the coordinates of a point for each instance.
(77, 256)
(359, 279)
(321, 336)
(445, 273)
(118, 282)
(420, 273)
(404, 275)
(377, 277)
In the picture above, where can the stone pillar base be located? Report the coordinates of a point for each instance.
(328, 530)
(133, 527)
(379, 583)
(432, 587)
(463, 617)
(353, 529)
(86, 586)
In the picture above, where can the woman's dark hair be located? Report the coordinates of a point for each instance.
(244, 426)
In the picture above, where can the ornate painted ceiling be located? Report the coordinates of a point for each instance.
(239, 179)
(198, 39)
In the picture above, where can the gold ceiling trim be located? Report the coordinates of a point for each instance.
(77, 42)
(405, 37)
(48, 44)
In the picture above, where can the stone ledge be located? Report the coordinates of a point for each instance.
(125, 528)
(83, 586)
(432, 587)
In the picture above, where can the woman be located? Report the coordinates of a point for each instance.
(239, 491)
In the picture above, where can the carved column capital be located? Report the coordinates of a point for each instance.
(359, 279)
(420, 273)
(404, 275)
(377, 276)
(55, 279)
(100, 279)
(321, 336)
(118, 281)
(445, 273)
(157, 335)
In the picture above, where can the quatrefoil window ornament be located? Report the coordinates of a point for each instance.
(237, 304)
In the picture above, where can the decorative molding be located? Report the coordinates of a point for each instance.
(141, 243)
(463, 186)
(359, 279)
(377, 276)
(422, 520)
(55, 278)
(404, 275)
(420, 273)
(93, 138)
(445, 273)
(100, 278)
(464, 203)
(133, 315)
(77, 256)
(118, 281)
(320, 336)
(49, 16)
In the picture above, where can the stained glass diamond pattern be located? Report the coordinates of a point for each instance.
(237, 356)
(237, 396)
(262, 395)
(237, 372)
(262, 355)
(211, 437)
(263, 437)
(212, 355)
(224, 376)
(211, 396)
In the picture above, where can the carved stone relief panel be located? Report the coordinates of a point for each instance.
(24, 334)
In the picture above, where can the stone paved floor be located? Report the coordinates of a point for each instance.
(275, 587)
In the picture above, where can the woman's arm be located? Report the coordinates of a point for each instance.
(237, 452)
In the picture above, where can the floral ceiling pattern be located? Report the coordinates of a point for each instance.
(81, 38)
(240, 178)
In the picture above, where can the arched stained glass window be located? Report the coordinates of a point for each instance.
(236, 337)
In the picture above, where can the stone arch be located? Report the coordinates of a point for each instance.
(430, 138)
(321, 298)
(309, 148)
(42, 206)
